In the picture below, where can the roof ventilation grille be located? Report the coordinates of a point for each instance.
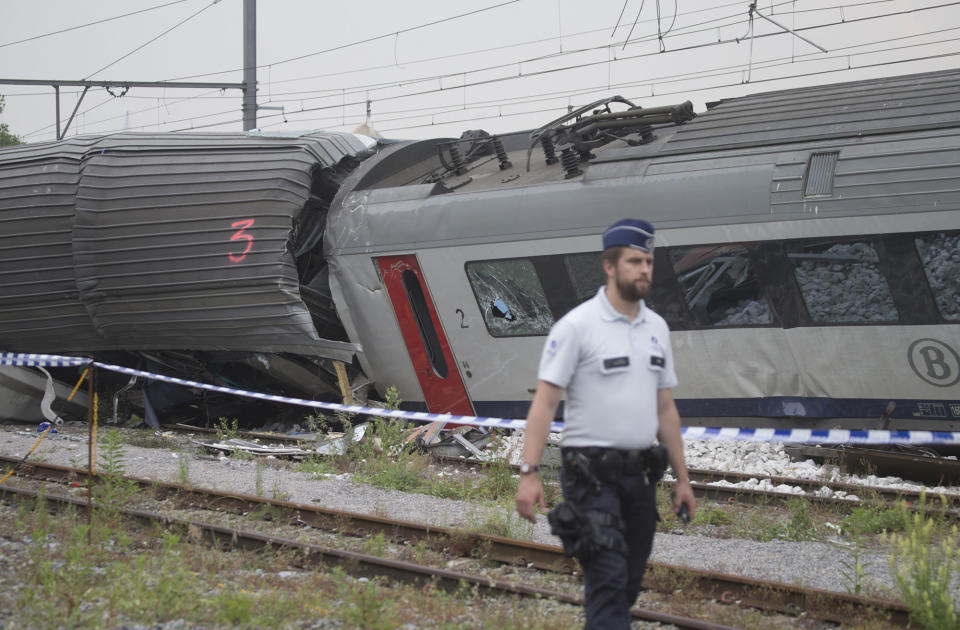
(818, 181)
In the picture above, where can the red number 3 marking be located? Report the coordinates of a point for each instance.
(241, 236)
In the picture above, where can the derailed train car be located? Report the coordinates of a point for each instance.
(193, 254)
(808, 253)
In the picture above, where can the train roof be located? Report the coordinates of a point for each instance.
(806, 153)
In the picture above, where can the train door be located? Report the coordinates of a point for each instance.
(437, 371)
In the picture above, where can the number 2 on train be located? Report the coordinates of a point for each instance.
(240, 235)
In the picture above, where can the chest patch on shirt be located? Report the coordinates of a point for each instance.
(616, 362)
(656, 361)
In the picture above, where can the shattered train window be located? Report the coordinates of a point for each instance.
(586, 273)
(940, 253)
(842, 283)
(510, 297)
(719, 285)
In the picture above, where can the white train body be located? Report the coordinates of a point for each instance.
(823, 227)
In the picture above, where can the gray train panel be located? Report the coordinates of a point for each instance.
(150, 241)
(38, 289)
(688, 175)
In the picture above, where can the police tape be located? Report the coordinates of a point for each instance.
(792, 436)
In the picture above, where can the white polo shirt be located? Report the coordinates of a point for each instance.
(611, 369)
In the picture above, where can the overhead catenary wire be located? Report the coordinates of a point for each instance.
(459, 73)
(717, 86)
(94, 23)
(294, 114)
(339, 91)
(700, 74)
(150, 41)
(527, 74)
(673, 78)
(554, 109)
(359, 42)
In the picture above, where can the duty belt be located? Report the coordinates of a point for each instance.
(609, 464)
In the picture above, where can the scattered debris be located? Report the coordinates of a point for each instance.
(236, 445)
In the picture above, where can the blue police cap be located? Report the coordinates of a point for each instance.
(629, 233)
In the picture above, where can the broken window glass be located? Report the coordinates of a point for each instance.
(842, 283)
(586, 274)
(940, 253)
(510, 297)
(719, 285)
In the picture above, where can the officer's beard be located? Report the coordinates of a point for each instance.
(631, 291)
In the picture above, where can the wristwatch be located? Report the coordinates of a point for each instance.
(526, 469)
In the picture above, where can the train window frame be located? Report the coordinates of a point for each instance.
(795, 250)
(421, 314)
(664, 297)
(935, 293)
(483, 307)
(749, 253)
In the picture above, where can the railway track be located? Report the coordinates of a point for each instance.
(312, 556)
(704, 483)
(761, 594)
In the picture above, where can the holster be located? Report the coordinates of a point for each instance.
(580, 532)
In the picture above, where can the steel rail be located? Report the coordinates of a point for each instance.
(761, 594)
(890, 495)
(702, 479)
(314, 556)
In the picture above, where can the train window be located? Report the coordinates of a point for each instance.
(510, 297)
(842, 283)
(421, 312)
(586, 274)
(719, 285)
(940, 253)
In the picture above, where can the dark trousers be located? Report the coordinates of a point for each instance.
(611, 579)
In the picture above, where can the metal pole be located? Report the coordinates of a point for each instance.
(56, 89)
(91, 436)
(249, 64)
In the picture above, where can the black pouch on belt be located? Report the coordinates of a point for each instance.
(656, 463)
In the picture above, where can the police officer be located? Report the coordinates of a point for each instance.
(612, 355)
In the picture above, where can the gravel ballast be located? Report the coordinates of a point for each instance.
(813, 564)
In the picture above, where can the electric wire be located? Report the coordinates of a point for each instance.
(356, 43)
(343, 90)
(675, 77)
(74, 28)
(391, 84)
(548, 71)
(175, 26)
(205, 95)
(510, 64)
(712, 87)
(617, 25)
(700, 74)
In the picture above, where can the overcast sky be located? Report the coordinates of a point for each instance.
(498, 65)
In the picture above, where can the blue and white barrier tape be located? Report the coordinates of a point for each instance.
(37, 360)
(793, 436)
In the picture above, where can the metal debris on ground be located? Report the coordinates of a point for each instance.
(236, 445)
(338, 445)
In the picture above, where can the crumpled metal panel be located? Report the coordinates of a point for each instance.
(38, 290)
(160, 241)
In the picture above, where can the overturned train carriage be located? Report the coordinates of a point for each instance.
(808, 252)
(200, 253)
